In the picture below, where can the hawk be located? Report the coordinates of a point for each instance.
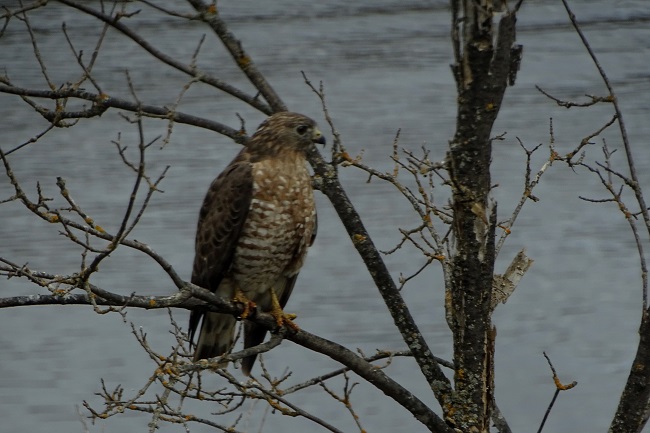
(257, 221)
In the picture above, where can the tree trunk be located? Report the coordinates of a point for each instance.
(484, 62)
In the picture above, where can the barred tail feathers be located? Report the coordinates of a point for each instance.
(216, 336)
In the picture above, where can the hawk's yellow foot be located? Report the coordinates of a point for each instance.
(248, 304)
(281, 318)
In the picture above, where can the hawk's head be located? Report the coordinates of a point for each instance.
(285, 131)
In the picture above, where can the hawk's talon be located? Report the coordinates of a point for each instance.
(288, 321)
(248, 304)
(281, 318)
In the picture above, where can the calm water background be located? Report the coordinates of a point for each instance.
(385, 67)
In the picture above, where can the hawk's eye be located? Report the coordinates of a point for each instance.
(302, 129)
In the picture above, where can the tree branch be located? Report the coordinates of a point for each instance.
(210, 15)
(101, 102)
(330, 185)
(631, 414)
(192, 297)
(193, 71)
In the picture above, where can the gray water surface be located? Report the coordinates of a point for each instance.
(385, 66)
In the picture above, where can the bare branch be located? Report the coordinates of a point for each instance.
(273, 398)
(587, 140)
(34, 139)
(332, 188)
(210, 15)
(337, 143)
(37, 52)
(87, 75)
(529, 185)
(558, 387)
(101, 102)
(568, 104)
(619, 116)
(345, 399)
(8, 14)
(41, 210)
(215, 303)
(499, 420)
(114, 21)
(379, 355)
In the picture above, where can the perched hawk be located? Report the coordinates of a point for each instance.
(256, 223)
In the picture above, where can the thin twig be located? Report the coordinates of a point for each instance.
(345, 400)
(558, 387)
(37, 52)
(568, 104)
(101, 102)
(114, 21)
(209, 15)
(636, 186)
(529, 185)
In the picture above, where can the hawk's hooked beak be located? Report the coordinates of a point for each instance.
(318, 137)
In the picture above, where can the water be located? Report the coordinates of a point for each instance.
(385, 67)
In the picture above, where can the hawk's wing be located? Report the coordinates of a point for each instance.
(221, 219)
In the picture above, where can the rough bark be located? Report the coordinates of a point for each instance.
(631, 414)
(483, 68)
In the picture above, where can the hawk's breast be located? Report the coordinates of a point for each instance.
(279, 226)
